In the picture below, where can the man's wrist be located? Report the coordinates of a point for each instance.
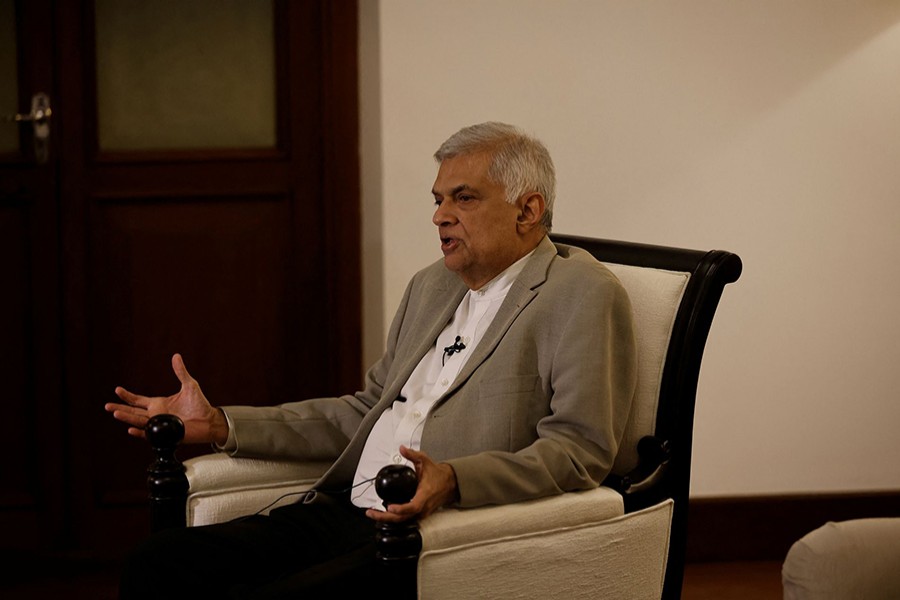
(219, 427)
(453, 488)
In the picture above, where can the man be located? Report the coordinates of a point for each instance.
(508, 375)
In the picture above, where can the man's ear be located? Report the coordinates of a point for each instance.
(531, 211)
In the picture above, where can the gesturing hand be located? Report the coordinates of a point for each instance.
(203, 423)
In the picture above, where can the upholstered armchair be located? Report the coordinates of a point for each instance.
(623, 540)
(844, 560)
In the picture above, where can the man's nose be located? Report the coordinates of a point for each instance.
(442, 215)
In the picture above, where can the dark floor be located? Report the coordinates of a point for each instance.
(732, 581)
(710, 581)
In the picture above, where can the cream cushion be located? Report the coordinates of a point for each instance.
(846, 560)
(558, 556)
(655, 296)
(224, 488)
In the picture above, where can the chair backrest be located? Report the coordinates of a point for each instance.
(655, 296)
(674, 294)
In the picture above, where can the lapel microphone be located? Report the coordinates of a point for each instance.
(452, 349)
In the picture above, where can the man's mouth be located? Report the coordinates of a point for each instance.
(448, 244)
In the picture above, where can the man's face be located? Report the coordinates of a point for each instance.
(476, 225)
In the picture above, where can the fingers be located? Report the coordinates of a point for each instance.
(138, 433)
(396, 513)
(130, 415)
(132, 399)
(136, 410)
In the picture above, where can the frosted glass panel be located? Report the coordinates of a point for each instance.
(183, 74)
(9, 78)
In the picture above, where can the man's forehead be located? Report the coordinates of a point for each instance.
(466, 171)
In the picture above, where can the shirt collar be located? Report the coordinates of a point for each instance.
(499, 285)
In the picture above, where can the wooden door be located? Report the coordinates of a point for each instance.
(32, 483)
(235, 245)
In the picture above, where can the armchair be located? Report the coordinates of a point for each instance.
(842, 560)
(626, 539)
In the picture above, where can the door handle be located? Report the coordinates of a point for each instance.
(39, 117)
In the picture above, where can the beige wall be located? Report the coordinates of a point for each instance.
(768, 128)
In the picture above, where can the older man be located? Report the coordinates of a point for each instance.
(508, 375)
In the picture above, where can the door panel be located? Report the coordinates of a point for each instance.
(18, 491)
(9, 77)
(161, 86)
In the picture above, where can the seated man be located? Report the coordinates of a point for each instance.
(508, 375)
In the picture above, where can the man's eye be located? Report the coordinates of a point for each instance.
(437, 201)
(464, 198)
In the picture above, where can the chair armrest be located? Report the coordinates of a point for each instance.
(457, 527)
(580, 542)
(224, 488)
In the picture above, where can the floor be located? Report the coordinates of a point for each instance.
(712, 581)
(732, 581)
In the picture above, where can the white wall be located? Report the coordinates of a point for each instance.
(768, 128)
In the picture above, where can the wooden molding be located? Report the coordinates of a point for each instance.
(765, 527)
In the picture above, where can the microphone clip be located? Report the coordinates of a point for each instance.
(452, 349)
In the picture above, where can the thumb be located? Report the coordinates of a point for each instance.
(180, 370)
(412, 455)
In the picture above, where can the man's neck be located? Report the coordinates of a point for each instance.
(512, 270)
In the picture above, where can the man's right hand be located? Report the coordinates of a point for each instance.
(203, 423)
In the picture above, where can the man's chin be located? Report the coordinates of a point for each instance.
(453, 263)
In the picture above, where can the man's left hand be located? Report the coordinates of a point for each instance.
(437, 487)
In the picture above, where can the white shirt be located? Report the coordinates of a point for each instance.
(404, 421)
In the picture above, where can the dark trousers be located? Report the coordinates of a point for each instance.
(299, 551)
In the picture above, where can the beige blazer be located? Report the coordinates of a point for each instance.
(539, 408)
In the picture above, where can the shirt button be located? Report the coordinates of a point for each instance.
(398, 459)
(445, 383)
(416, 415)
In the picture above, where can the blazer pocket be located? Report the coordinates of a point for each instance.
(508, 385)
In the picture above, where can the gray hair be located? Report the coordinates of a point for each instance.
(519, 162)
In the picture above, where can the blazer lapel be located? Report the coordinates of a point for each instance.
(523, 290)
(438, 308)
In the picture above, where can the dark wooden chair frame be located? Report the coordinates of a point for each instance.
(664, 470)
(665, 458)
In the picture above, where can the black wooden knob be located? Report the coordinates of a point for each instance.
(166, 480)
(396, 484)
(164, 431)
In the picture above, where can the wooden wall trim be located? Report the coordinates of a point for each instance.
(765, 527)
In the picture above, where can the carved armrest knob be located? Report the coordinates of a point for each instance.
(397, 543)
(396, 484)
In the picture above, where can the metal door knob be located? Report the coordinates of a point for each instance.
(39, 117)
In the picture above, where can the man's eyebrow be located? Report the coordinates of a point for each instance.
(460, 188)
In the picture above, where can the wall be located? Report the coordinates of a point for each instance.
(767, 128)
